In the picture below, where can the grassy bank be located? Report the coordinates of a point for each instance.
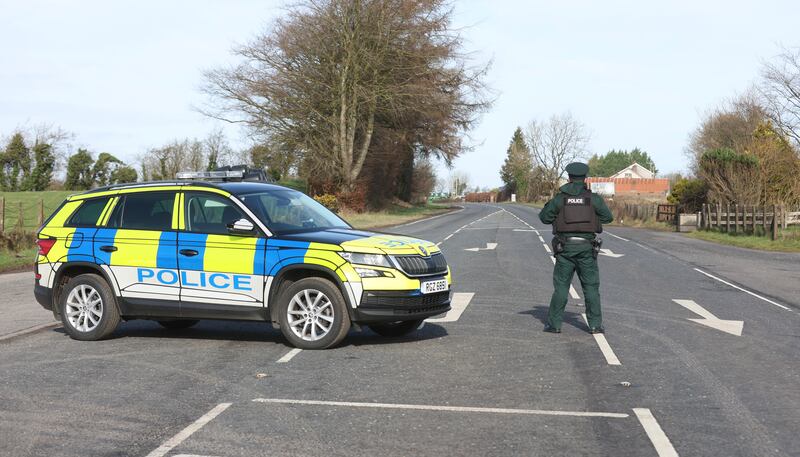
(30, 206)
(393, 215)
(10, 261)
(788, 241)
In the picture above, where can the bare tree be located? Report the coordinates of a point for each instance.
(555, 143)
(218, 150)
(331, 73)
(780, 91)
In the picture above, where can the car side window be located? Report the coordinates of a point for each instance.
(144, 211)
(209, 213)
(88, 213)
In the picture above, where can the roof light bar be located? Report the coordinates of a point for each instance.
(210, 174)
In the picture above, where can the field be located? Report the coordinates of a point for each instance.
(788, 241)
(30, 206)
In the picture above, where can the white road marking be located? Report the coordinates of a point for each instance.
(489, 247)
(655, 433)
(573, 293)
(605, 348)
(289, 355)
(28, 330)
(541, 239)
(743, 290)
(456, 409)
(524, 230)
(615, 236)
(710, 320)
(448, 237)
(171, 443)
(553, 259)
(547, 248)
(610, 253)
(458, 304)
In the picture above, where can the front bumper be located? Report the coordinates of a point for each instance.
(44, 295)
(392, 306)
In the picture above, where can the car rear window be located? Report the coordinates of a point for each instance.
(88, 213)
(145, 211)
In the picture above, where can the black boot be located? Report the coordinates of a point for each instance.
(550, 329)
(599, 329)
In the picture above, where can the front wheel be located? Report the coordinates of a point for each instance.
(394, 329)
(313, 314)
(88, 308)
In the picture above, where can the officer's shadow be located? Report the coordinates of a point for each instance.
(570, 318)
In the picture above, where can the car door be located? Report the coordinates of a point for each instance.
(138, 242)
(222, 273)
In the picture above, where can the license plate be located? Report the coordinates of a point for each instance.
(431, 287)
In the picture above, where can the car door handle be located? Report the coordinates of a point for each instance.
(188, 252)
(108, 248)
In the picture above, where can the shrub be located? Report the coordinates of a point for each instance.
(329, 201)
(354, 200)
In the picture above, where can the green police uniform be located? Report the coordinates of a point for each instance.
(577, 255)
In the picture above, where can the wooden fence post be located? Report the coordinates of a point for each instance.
(736, 218)
(719, 216)
(2, 214)
(753, 221)
(775, 223)
(41, 212)
(21, 217)
(764, 220)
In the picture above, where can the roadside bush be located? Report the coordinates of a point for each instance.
(16, 240)
(354, 200)
(689, 194)
(329, 201)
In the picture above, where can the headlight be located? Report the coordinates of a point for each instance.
(377, 260)
(370, 273)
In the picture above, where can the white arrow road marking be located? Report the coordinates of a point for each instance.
(489, 247)
(655, 433)
(171, 443)
(605, 348)
(710, 320)
(458, 304)
(608, 253)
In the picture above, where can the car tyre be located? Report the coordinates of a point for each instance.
(88, 308)
(178, 324)
(313, 314)
(395, 329)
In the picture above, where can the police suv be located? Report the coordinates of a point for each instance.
(176, 252)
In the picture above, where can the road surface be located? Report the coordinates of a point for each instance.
(670, 377)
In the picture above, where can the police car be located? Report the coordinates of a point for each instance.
(180, 251)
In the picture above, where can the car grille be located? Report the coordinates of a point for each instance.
(417, 265)
(409, 304)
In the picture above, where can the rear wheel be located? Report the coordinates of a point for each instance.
(88, 308)
(313, 314)
(178, 324)
(393, 329)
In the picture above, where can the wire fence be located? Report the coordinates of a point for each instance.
(23, 216)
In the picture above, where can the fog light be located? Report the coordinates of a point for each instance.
(368, 273)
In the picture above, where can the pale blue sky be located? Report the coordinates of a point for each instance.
(123, 76)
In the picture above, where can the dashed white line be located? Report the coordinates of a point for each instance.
(655, 433)
(573, 293)
(456, 409)
(616, 236)
(605, 348)
(743, 290)
(448, 237)
(289, 355)
(458, 304)
(171, 443)
(547, 248)
(541, 239)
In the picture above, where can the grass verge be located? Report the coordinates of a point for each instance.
(11, 261)
(788, 241)
(393, 215)
(30, 206)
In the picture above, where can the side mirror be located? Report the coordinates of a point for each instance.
(241, 227)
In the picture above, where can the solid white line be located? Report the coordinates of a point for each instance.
(605, 348)
(547, 248)
(655, 433)
(28, 330)
(448, 237)
(743, 290)
(541, 239)
(553, 259)
(458, 304)
(168, 445)
(573, 293)
(289, 355)
(457, 409)
(615, 236)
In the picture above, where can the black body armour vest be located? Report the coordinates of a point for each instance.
(577, 215)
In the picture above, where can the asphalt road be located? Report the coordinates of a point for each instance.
(485, 382)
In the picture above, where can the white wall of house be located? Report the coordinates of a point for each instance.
(634, 171)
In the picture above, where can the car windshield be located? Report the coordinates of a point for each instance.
(289, 211)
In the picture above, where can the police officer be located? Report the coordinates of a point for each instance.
(576, 214)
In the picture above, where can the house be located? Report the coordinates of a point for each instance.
(635, 171)
(632, 181)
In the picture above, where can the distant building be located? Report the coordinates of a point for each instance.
(632, 181)
(634, 170)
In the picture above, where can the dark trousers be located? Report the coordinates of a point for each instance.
(576, 257)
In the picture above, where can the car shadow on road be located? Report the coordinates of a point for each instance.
(367, 337)
(570, 318)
